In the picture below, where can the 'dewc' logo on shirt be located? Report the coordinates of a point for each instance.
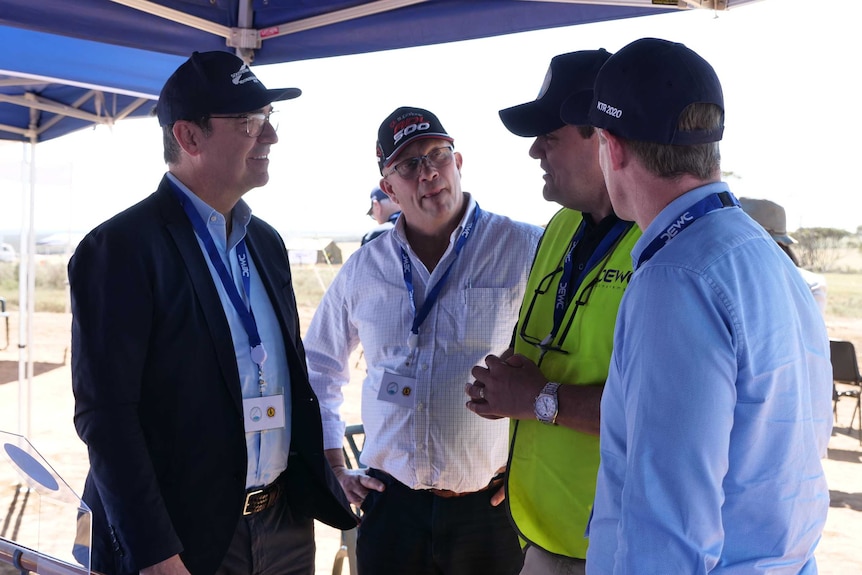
(619, 278)
(676, 227)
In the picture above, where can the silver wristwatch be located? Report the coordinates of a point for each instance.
(546, 405)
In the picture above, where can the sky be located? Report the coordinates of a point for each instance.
(786, 66)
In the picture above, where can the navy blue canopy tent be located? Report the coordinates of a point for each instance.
(271, 31)
(52, 85)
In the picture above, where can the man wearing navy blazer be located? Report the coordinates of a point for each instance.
(189, 375)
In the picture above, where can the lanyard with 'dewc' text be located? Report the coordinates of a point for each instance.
(258, 352)
(568, 288)
(431, 298)
(708, 204)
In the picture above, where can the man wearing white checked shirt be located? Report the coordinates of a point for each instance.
(427, 300)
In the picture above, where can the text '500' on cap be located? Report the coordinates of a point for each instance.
(403, 126)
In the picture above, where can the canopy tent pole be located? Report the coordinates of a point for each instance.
(26, 286)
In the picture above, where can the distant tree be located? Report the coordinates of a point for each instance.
(819, 248)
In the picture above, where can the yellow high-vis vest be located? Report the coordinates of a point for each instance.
(552, 469)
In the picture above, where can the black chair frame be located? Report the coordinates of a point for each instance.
(354, 441)
(845, 370)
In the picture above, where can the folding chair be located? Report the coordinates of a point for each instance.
(354, 439)
(845, 369)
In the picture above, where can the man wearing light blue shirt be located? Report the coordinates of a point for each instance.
(717, 407)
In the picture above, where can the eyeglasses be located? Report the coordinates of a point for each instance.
(436, 158)
(254, 122)
(546, 343)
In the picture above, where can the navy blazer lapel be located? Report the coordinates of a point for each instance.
(183, 234)
(276, 281)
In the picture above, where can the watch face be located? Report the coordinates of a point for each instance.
(545, 406)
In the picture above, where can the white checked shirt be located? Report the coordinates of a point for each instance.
(437, 443)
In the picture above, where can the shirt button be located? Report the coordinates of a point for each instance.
(424, 367)
(212, 218)
(420, 406)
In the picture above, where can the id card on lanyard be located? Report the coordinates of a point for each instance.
(395, 388)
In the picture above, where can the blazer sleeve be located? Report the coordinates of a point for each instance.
(112, 309)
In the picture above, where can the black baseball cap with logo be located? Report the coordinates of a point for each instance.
(403, 126)
(214, 82)
(570, 76)
(641, 91)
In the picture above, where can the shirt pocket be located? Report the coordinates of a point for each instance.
(483, 318)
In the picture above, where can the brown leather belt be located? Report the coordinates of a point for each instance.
(256, 500)
(497, 481)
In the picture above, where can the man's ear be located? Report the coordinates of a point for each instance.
(617, 152)
(387, 189)
(188, 136)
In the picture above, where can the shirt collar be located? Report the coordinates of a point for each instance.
(401, 235)
(671, 212)
(241, 213)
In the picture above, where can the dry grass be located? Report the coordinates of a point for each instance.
(310, 283)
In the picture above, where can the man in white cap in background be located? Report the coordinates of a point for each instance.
(383, 211)
(774, 220)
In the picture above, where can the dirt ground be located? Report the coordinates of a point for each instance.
(53, 435)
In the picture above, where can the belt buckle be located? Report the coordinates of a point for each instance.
(248, 496)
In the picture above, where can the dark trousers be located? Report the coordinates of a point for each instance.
(271, 542)
(414, 532)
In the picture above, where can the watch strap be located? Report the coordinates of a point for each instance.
(549, 390)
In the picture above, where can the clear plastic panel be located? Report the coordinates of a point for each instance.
(39, 513)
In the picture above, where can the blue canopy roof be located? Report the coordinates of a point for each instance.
(287, 30)
(104, 58)
(51, 85)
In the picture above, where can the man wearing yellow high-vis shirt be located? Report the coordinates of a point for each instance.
(550, 382)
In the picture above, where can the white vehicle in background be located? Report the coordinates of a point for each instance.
(7, 253)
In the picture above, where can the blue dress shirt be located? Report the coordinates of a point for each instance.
(717, 408)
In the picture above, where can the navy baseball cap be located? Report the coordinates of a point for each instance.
(403, 126)
(376, 194)
(569, 77)
(214, 83)
(641, 91)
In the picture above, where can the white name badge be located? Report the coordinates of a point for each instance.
(262, 413)
(398, 389)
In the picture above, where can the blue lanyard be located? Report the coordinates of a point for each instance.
(567, 288)
(258, 352)
(431, 299)
(708, 204)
